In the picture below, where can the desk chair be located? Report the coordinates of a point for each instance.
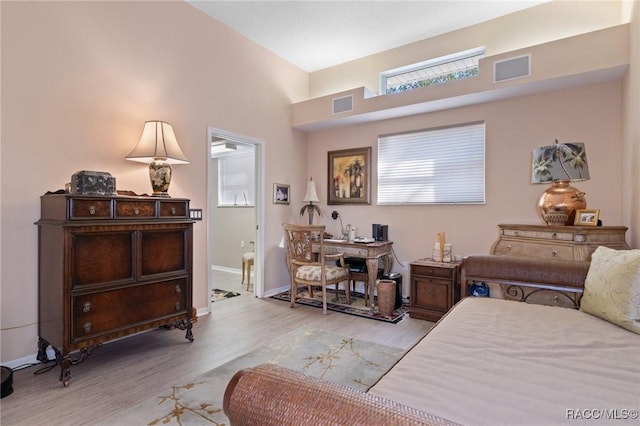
(313, 268)
(247, 262)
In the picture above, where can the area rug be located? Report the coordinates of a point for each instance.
(217, 294)
(318, 353)
(339, 304)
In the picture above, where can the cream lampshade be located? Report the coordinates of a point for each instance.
(310, 197)
(559, 165)
(159, 148)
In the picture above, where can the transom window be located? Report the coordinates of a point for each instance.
(434, 166)
(434, 71)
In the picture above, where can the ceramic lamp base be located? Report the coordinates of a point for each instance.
(560, 198)
(160, 176)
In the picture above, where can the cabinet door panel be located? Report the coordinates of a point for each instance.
(99, 313)
(163, 251)
(432, 293)
(101, 257)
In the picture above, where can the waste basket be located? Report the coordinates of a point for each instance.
(397, 277)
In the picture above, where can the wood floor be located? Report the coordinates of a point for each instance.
(124, 373)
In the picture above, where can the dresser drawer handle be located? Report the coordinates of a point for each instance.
(430, 293)
(87, 327)
(92, 210)
(554, 235)
(86, 307)
(508, 247)
(554, 253)
(136, 210)
(516, 233)
(173, 211)
(178, 289)
(177, 306)
(431, 271)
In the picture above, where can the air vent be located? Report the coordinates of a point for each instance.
(343, 104)
(512, 68)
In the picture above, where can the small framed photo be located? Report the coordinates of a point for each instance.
(587, 217)
(280, 193)
(349, 176)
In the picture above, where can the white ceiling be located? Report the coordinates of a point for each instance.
(316, 34)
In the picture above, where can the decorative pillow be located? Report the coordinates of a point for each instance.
(612, 287)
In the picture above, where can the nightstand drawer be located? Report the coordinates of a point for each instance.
(432, 271)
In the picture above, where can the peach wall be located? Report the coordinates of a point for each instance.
(78, 81)
(591, 114)
(539, 24)
(631, 183)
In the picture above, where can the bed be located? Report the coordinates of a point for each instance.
(488, 361)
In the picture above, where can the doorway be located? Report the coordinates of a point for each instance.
(235, 209)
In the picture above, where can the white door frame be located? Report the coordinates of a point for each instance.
(213, 132)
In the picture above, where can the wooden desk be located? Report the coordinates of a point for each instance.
(371, 252)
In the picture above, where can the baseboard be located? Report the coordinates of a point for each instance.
(226, 269)
(273, 292)
(30, 360)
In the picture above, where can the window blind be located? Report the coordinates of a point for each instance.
(434, 166)
(236, 180)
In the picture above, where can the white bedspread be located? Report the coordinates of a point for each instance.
(497, 362)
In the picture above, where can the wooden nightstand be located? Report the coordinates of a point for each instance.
(557, 242)
(435, 288)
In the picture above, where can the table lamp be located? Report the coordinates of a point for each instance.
(559, 165)
(310, 197)
(159, 148)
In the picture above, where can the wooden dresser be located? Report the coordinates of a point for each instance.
(110, 267)
(434, 288)
(558, 242)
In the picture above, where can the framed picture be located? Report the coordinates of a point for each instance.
(280, 193)
(587, 217)
(349, 176)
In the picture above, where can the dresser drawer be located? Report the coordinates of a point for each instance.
(110, 311)
(542, 234)
(92, 208)
(127, 209)
(174, 209)
(549, 251)
(432, 271)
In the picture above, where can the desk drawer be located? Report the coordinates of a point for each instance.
(348, 251)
